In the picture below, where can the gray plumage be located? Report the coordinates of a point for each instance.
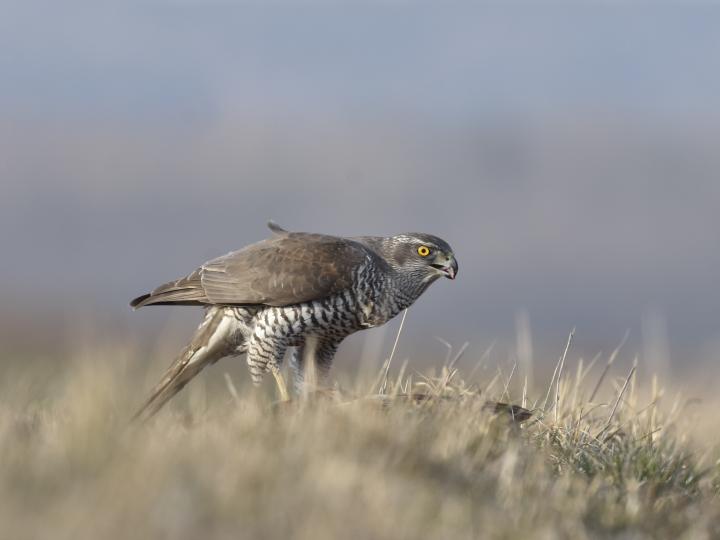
(302, 290)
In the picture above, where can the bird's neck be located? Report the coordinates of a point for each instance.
(408, 286)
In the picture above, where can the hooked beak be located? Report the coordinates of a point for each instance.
(449, 267)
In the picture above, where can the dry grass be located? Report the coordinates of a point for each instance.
(71, 466)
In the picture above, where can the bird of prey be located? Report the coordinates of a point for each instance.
(295, 289)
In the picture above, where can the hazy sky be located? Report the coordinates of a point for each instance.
(570, 154)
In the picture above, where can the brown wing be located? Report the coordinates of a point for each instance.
(286, 269)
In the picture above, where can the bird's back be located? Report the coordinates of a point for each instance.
(285, 269)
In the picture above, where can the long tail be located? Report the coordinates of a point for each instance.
(208, 345)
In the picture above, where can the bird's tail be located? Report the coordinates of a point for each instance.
(208, 345)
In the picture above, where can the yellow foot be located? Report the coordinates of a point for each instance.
(280, 380)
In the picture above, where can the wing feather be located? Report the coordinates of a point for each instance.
(286, 269)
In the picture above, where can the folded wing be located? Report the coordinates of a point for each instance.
(286, 269)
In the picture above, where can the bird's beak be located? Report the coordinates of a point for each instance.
(452, 268)
(449, 267)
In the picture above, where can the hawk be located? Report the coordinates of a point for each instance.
(299, 290)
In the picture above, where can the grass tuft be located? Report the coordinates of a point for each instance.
(432, 456)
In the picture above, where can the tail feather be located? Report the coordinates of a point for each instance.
(174, 380)
(183, 291)
(208, 345)
(177, 297)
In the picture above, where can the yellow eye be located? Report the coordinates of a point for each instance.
(423, 251)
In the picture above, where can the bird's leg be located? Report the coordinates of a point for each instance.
(264, 354)
(324, 358)
(297, 366)
(311, 363)
(280, 380)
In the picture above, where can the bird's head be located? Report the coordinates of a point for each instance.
(421, 254)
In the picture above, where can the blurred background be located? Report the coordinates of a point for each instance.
(570, 153)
